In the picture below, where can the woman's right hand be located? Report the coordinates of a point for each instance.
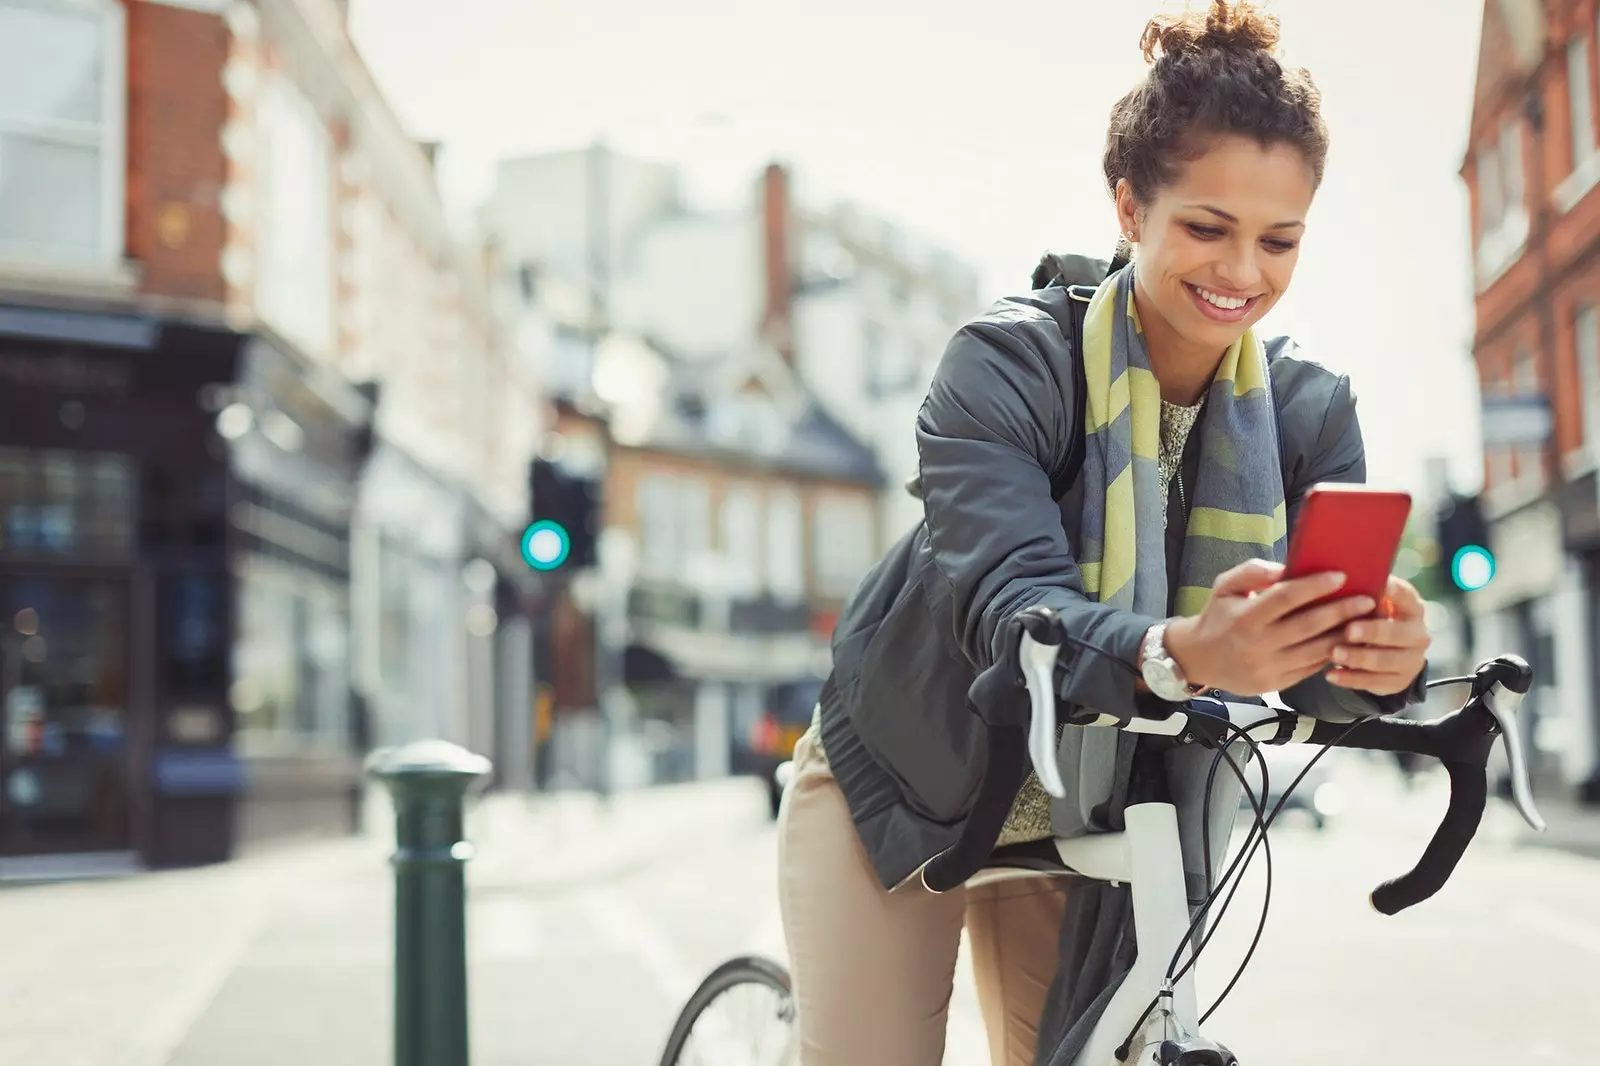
(1256, 633)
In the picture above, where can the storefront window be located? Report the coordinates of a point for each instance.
(291, 666)
(62, 504)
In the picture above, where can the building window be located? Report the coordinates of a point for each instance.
(294, 285)
(740, 537)
(674, 514)
(841, 543)
(61, 131)
(1525, 382)
(291, 660)
(66, 505)
(1502, 203)
(1585, 158)
(1578, 97)
(1586, 327)
(786, 560)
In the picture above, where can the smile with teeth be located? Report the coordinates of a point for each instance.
(1226, 303)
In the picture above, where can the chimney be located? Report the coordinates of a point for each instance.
(776, 260)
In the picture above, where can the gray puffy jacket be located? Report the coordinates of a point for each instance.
(918, 767)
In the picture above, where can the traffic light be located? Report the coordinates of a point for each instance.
(566, 516)
(1464, 548)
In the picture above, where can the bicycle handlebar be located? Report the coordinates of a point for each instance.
(1462, 740)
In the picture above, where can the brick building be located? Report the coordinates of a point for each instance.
(750, 515)
(263, 458)
(1532, 166)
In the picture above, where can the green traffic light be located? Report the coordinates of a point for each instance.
(545, 545)
(1472, 568)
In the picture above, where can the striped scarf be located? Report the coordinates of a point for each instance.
(1236, 505)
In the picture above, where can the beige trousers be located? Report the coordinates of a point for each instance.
(873, 970)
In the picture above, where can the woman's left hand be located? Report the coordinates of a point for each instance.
(1384, 654)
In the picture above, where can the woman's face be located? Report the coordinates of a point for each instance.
(1216, 249)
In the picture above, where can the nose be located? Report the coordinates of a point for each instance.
(1240, 268)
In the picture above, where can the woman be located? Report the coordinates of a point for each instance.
(1049, 475)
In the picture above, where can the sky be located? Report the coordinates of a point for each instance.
(978, 127)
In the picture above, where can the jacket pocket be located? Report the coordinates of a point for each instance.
(910, 703)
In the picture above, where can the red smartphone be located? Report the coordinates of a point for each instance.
(1353, 529)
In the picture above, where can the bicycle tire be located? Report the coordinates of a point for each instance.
(741, 970)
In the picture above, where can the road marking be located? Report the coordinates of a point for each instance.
(1559, 927)
(159, 1039)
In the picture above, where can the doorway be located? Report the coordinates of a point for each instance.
(64, 749)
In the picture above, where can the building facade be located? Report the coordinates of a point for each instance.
(1532, 166)
(734, 527)
(242, 363)
(854, 305)
(747, 499)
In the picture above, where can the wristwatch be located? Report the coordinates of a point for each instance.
(1160, 670)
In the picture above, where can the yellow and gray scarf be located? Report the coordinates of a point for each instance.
(1236, 505)
(1236, 511)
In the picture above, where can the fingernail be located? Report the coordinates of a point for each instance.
(1364, 604)
(1335, 579)
(1341, 655)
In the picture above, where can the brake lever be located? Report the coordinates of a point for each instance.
(1502, 702)
(1038, 661)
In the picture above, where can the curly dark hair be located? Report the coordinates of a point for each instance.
(1212, 73)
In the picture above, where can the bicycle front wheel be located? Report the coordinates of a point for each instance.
(741, 1015)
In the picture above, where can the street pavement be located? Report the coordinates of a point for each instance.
(589, 926)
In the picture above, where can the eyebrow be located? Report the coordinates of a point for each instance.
(1220, 213)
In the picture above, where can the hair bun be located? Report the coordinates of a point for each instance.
(1236, 27)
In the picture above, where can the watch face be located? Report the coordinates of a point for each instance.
(1163, 680)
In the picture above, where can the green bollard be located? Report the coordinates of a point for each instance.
(429, 781)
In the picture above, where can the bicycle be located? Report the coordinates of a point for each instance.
(1154, 1018)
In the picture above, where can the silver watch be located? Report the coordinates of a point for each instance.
(1161, 671)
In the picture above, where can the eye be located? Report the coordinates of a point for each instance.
(1204, 233)
(1279, 245)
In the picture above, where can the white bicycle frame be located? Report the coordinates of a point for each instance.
(1148, 858)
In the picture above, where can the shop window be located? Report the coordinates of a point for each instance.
(66, 505)
(291, 662)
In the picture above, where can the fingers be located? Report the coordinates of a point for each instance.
(1309, 656)
(1286, 597)
(1405, 600)
(1253, 575)
(1373, 660)
(1387, 633)
(1315, 621)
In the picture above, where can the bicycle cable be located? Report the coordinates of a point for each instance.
(1199, 916)
(1255, 840)
(1267, 895)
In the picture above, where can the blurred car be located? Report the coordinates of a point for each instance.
(1317, 795)
(771, 739)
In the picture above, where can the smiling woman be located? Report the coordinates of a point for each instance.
(1128, 453)
(1213, 161)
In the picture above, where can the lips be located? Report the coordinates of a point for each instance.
(1218, 307)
